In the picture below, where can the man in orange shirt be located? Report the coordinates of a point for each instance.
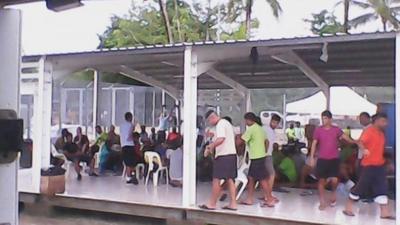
(373, 175)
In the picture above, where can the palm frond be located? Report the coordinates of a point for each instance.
(394, 21)
(360, 4)
(363, 19)
(275, 7)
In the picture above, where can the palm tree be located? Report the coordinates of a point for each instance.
(346, 4)
(164, 12)
(274, 5)
(381, 9)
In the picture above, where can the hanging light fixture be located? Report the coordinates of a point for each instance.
(61, 5)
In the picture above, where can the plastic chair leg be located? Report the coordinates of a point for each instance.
(124, 172)
(167, 176)
(155, 178)
(147, 177)
(244, 184)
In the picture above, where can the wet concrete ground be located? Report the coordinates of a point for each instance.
(35, 214)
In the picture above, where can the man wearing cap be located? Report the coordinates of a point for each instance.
(225, 162)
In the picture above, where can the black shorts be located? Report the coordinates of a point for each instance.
(327, 168)
(257, 169)
(372, 183)
(225, 167)
(81, 158)
(128, 156)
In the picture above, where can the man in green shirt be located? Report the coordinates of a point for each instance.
(101, 137)
(255, 138)
(287, 168)
(291, 134)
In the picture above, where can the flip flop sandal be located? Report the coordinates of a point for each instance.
(245, 203)
(347, 213)
(229, 208)
(333, 204)
(264, 204)
(205, 207)
(306, 193)
(388, 217)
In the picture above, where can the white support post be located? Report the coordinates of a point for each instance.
(80, 107)
(397, 97)
(153, 111)
(189, 128)
(42, 115)
(96, 76)
(162, 97)
(10, 54)
(63, 105)
(328, 98)
(113, 100)
(249, 107)
(284, 111)
(132, 101)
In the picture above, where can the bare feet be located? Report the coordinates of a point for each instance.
(247, 202)
(348, 213)
(322, 206)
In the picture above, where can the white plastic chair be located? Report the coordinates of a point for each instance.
(152, 158)
(240, 179)
(139, 167)
(242, 174)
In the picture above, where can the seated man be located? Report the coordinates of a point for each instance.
(60, 142)
(143, 133)
(286, 172)
(174, 135)
(175, 156)
(82, 140)
(110, 154)
(75, 154)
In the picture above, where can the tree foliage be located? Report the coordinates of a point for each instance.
(388, 11)
(239, 7)
(144, 25)
(325, 23)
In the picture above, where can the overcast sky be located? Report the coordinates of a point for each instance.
(45, 31)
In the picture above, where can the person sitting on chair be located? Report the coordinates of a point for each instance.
(75, 154)
(175, 157)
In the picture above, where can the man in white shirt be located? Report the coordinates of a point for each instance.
(299, 132)
(175, 156)
(224, 166)
(271, 136)
(128, 151)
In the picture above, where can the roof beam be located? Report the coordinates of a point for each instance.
(292, 58)
(139, 76)
(217, 75)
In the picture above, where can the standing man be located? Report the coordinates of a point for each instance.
(271, 137)
(365, 121)
(373, 175)
(326, 140)
(299, 132)
(225, 162)
(128, 150)
(254, 137)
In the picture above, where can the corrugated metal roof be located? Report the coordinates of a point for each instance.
(354, 60)
(262, 42)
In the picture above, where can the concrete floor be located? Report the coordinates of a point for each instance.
(38, 214)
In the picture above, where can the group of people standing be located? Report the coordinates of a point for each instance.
(323, 158)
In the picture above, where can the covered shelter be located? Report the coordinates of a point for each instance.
(188, 71)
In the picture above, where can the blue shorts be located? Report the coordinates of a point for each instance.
(372, 183)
